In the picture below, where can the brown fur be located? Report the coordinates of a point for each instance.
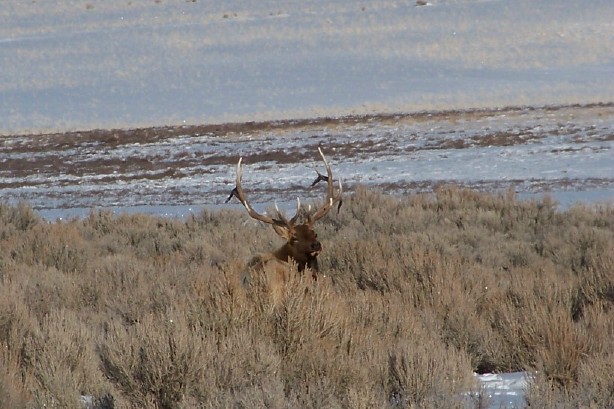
(301, 248)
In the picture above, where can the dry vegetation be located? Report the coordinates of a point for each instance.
(139, 311)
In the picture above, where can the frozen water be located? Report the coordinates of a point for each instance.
(116, 64)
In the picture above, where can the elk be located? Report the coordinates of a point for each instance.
(302, 246)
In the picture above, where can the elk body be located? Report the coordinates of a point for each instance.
(301, 242)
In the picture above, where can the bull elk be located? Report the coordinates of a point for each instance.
(302, 246)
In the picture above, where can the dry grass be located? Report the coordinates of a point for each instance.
(139, 311)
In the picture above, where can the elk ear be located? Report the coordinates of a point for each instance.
(283, 231)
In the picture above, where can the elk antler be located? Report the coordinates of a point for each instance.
(280, 221)
(331, 197)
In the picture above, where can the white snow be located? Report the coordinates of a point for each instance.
(503, 391)
(559, 152)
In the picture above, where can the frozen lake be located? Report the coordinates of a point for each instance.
(75, 65)
(287, 77)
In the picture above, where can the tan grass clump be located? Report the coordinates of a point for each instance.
(141, 311)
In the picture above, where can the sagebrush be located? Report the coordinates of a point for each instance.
(422, 291)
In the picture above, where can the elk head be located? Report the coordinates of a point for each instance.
(302, 245)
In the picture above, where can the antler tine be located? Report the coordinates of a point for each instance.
(318, 179)
(338, 197)
(239, 194)
(298, 211)
(294, 218)
(330, 195)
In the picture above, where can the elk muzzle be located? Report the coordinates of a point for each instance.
(315, 248)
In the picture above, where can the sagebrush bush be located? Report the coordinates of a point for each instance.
(421, 291)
